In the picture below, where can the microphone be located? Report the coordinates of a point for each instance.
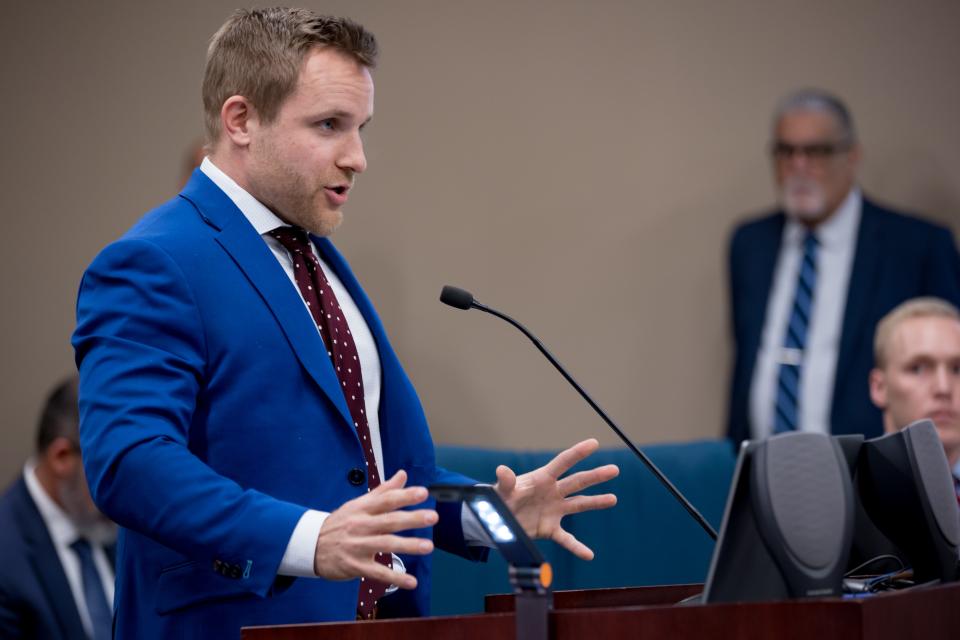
(456, 297)
(461, 299)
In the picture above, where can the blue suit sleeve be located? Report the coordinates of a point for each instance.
(140, 349)
(736, 429)
(942, 272)
(448, 533)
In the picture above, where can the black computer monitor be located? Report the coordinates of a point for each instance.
(788, 522)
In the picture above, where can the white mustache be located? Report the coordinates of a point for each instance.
(795, 184)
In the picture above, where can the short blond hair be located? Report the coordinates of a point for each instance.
(915, 308)
(258, 53)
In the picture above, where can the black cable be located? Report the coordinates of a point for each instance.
(886, 556)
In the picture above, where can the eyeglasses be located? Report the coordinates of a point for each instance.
(817, 152)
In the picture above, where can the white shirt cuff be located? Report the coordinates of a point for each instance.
(298, 558)
(301, 549)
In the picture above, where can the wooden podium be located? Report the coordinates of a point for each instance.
(652, 612)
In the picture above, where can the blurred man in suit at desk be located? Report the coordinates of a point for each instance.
(917, 373)
(56, 548)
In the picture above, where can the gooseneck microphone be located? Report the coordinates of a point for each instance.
(461, 299)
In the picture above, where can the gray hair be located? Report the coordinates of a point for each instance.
(822, 101)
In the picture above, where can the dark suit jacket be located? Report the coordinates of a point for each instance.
(35, 597)
(897, 257)
(211, 418)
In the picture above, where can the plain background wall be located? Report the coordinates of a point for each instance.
(576, 164)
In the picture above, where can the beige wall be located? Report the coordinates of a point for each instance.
(577, 164)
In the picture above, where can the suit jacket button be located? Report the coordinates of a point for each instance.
(356, 477)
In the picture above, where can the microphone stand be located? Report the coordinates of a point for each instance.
(458, 299)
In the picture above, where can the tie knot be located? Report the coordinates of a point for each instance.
(810, 242)
(81, 546)
(294, 239)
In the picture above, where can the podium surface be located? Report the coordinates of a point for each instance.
(921, 612)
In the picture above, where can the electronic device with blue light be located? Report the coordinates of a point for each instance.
(530, 575)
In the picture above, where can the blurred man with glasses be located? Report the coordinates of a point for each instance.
(809, 282)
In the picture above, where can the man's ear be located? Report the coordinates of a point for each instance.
(878, 389)
(237, 116)
(855, 156)
(61, 457)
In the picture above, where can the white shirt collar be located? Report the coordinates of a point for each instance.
(62, 530)
(262, 219)
(837, 230)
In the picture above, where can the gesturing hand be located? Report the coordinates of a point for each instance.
(353, 534)
(539, 499)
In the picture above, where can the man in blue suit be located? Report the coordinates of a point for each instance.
(56, 549)
(809, 282)
(243, 415)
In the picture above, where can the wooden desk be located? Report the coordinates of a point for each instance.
(651, 612)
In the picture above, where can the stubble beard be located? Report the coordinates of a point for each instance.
(291, 198)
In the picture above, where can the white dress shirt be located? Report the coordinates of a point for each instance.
(837, 238)
(63, 533)
(299, 555)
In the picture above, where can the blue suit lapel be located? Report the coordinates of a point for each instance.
(43, 557)
(395, 388)
(763, 263)
(343, 271)
(252, 255)
(864, 277)
(336, 261)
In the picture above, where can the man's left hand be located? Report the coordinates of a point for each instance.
(540, 499)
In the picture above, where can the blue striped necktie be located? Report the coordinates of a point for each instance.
(101, 616)
(787, 414)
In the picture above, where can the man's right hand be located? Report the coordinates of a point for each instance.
(352, 535)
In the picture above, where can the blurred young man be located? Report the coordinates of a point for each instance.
(917, 373)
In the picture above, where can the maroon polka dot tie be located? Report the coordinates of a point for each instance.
(333, 329)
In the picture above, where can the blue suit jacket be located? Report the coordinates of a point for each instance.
(35, 597)
(897, 257)
(211, 418)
